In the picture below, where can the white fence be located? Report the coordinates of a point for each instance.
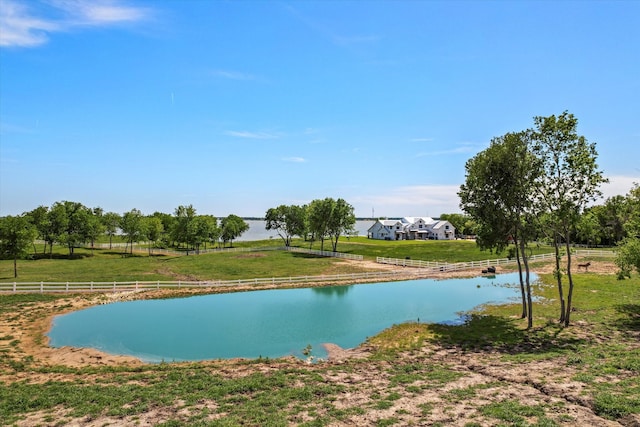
(443, 266)
(155, 251)
(52, 287)
(325, 253)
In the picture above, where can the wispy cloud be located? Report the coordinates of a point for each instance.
(233, 75)
(618, 185)
(413, 200)
(252, 135)
(294, 159)
(421, 140)
(24, 26)
(461, 149)
(332, 35)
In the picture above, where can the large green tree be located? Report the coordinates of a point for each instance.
(628, 254)
(497, 194)
(318, 214)
(16, 236)
(183, 216)
(132, 225)
(570, 181)
(75, 225)
(111, 223)
(341, 222)
(232, 227)
(153, 229)
(287, 220)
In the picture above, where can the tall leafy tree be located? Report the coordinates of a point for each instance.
(571, 181)
(232, 227)
(183, 216)
(16, 236)
(628, 254)
(75, 225)
(153, 229)
(94, 227)
(318, 216)
(287, 220)
(132, 225)
(38, 217)
(497, 195)
(111, 223)
(57, 223)
(341, 221)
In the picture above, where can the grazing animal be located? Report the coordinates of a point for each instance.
(585, 266)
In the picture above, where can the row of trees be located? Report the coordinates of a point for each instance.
(319, 220)
(605, 224)
(72, 224)
(533, 182)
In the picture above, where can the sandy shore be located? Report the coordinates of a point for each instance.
(29, 326)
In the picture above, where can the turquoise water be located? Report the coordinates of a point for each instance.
(271, 323)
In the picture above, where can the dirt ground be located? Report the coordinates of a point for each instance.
(535, 382)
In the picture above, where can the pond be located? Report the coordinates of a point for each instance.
(272, 323)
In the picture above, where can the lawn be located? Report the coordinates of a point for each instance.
(113, 265)
(489, 370)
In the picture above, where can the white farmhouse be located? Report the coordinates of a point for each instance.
(411, 228)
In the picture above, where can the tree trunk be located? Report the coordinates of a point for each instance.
(15, 267)
(522, 290)
(558, 274)
(570, 293)
(525, 261)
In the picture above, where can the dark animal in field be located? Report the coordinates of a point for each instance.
(585, 266)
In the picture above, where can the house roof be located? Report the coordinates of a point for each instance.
(414, 219)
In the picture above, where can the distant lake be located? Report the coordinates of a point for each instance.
(257, 230)
(272, 323)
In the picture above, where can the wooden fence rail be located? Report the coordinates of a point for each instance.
(95, 286)
(443, 266)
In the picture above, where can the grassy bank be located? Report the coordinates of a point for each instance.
(112, 265)
(488, 371)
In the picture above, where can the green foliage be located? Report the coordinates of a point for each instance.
(287, 221)
(232, 227)
(628, 257)
(16, 236)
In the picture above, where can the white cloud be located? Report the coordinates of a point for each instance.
(20, 26)
(421, 140)
(252, 135)
(415, 200)
(104, 12)
(618, 185)
(233, 75)
(462, 149)
(294, 159)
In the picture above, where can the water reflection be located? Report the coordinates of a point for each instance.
(330, 291)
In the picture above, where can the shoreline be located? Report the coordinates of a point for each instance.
(34, 341)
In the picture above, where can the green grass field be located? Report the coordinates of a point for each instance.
(490, 370)
(112, 265)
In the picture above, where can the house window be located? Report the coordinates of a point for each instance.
(446, 227)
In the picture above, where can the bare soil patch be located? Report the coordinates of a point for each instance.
(483, 376)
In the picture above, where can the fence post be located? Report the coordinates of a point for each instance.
(67, 288)
(41, 287)
(14, 287)
(158, 285)
(91, 288)
(136, 285)
(114, 286)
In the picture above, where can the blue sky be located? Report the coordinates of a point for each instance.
(239, 106)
